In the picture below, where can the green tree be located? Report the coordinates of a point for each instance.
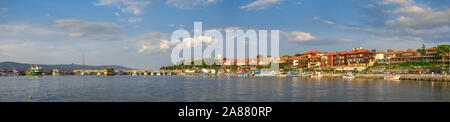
(287, 56)
(298, 54)
(444, 51)
(422, 50)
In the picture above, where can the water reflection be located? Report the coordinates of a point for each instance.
(204, 88)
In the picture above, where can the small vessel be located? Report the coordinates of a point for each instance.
(267, 73)
(283, 74)
(293, 73)
(12, 72)
(316, 75)
(348, 75)
(57, 72)
(109, 71)
(33, 71)
(392, 77)
(134, 74)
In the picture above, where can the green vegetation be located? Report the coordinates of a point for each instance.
(422, 50)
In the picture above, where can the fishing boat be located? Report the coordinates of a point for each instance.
(33, 71)
(392, 77)
(109, 71)
(348, 75)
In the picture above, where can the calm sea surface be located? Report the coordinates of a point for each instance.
(212, 89)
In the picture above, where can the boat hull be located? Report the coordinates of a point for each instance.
(391, 77)
(33, 73)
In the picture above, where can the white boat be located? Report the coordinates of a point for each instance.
(392, 77)
(134, 74)
(316, 75)
(267, 73)
(57, 72)
(349, 75)
(281, 75)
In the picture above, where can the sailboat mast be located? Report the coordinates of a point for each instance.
(83, 62)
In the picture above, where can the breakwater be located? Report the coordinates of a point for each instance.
(424, 77)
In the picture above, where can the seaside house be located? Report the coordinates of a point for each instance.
(327, 60)
(405, 56)
(381, 57)
(357, 59)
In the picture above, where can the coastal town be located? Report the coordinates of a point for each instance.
(359, 62)
(424, 64)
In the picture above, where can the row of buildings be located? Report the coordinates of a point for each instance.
(356, 59)
(360, 59)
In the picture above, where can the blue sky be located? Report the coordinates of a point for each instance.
(135, 33)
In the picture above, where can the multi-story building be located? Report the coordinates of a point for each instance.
(327, 60)
(381, 57)
(405, 56)
(357, 59)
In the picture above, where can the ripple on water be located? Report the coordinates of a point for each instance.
(212, 89)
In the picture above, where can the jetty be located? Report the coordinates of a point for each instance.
(131, 72)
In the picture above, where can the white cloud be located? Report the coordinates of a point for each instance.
(322, 20)
(3, 12)
(171, 25)
(297, 36)
(20, 30)
(400, 2)
(183, 4)
(395, 42)
(134, 6)
(413, 15)
(260, 4)
(155, 42)
(134, 20)
(90, 30)
(152, 42)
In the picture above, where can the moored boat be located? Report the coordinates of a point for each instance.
(316, 75)
(392, 77)
(57, 72)
(348, 75)
(33, 71)
(283, 74)
(109, 71)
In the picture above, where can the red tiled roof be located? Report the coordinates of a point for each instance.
(410, 51)
(431, 49)
(396, 52)
(316, 56)
(282, 58)
(295, 58)
(359, 51)
(343, 52)
(312, 51)
(380, 52)
(332, 53)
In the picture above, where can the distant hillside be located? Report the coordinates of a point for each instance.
(23, 66)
